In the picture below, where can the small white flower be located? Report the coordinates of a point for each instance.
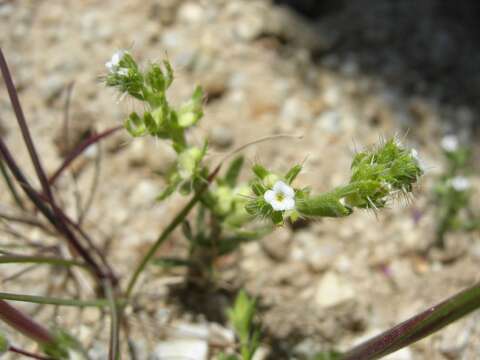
(114, 62)
(450, 143)
(460, 183)
(122, 72)
(414, 154)
(421, 164)
(281, 197)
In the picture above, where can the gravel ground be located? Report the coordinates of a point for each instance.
(341, 81)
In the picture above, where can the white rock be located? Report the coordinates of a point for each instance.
(295, 109)
(52, 87)
(145, 193)
(261, 353)
(329, 121)
(249, 27)
(91, 152)
(333, 290)
(221, 136)
(98, 351)
(192, 349)
(455, 339)
(318, 253)
(332, 96)
(221, 335)
(402, 354)
(191, 12)
(277, 243)
(189, 331)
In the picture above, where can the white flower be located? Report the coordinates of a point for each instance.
(421, 164)
(450, 143)
(281, 197)
(460, 183)
(414, 154)
(122, 72)
(114, 62)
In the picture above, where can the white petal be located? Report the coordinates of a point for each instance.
(115, 60)
(288, 204)
(460, 183)
(269, 196)
(450, 143)
(283, 188)
(277, 205)
(122, 72)
(117, 57)
(414, 154)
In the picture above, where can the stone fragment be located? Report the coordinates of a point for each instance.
(333, 290)
(192, 349)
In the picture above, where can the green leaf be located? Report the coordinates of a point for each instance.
(191, 111)
(4, 344)
(327, 355)
(135, 125)
(277, 217)
(292, 173)
(258, 188)
(260, 171)
(63, 346)
(150, 123)
(173, 182)
(169, 75)
(228, 357)
(234, 171)
(187, 230)
(170, 262)
(242, 319)
(241, 315)
(156, 79)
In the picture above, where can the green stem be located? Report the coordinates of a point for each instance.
(54, 301)
(161, 239)
(168, 230)
(8, 259)
(114, 347)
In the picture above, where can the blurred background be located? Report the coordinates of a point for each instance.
(342, 74)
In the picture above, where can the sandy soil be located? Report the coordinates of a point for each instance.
(267, 71)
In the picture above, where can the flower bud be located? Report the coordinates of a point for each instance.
(188, 162)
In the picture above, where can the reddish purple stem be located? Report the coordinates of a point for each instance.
(24, 324)
(79, 150)
(417, 327)
(16, 350)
